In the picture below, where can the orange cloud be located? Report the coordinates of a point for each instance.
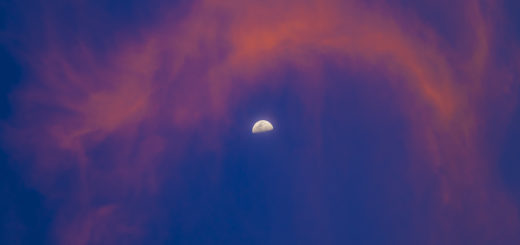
(179, 77)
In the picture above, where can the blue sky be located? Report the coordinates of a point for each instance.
(125, 122)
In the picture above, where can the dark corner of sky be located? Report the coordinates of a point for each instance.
(509, 162)
(23, 217)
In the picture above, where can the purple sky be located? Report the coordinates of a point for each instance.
(129, 122)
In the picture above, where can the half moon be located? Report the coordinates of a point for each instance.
(262, 126)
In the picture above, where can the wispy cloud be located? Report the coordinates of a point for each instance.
(179, 73)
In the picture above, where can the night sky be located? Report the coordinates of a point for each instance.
(129, 122)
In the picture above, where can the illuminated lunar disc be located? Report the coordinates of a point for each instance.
(262, 126)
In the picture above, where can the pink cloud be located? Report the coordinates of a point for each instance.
(181, 74)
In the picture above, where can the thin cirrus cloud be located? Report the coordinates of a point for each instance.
(176, 74)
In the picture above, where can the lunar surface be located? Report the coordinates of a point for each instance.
(262, 126)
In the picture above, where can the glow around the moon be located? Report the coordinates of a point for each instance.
(262, 126)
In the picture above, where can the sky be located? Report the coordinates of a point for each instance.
(129, 122)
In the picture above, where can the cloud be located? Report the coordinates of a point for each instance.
(99, 115)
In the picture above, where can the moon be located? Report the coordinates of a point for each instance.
(262, 126)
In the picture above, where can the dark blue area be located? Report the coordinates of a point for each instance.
(10, 74)
(509, 164)
(365, 160)
(510, 158)
(23, 216)
(246, 196)
(284, 187)
(512, 19)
